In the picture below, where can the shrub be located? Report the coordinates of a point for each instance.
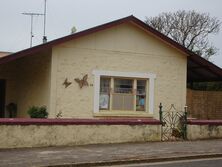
(37, 112)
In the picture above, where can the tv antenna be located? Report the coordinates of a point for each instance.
(44, 39)
(32, 15)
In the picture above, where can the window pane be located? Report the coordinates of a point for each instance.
(104, 93)
(104, 85)
(123, 97)
(123, 86)
(141, 95)
(123, 102)
(128, 102)
(141, 87)
(117, 102)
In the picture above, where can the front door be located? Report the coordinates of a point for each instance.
(2, 98)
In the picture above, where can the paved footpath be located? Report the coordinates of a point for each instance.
(95, 155)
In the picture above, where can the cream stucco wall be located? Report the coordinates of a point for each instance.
(33, 86)
(17, 136)
(28, 81)
(124, 48)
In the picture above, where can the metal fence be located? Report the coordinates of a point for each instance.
(174, 123)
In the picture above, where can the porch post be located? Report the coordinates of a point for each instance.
(161, 113)
(185, 123)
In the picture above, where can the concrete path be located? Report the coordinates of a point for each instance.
(95, 155)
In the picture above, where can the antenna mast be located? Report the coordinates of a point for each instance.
(32, 15)
(44, 39)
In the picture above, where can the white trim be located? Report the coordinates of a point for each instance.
(151, 95)
(99, 73)
(123, 74)
(96, 93)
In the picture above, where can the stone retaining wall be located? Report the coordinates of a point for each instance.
(17, 133)
(204, 129)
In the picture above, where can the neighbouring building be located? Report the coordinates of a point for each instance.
(3, 54)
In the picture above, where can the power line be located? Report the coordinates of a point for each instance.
(32, 15)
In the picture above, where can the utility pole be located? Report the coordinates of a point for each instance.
(44, 39)
(32, 15)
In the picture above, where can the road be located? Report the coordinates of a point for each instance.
(213, 162)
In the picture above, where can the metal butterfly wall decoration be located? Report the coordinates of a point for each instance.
(66, 83)
(82, 82)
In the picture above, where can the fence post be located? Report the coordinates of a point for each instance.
(185, 122)
(161, 113)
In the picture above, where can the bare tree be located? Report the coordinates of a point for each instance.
(188, 28)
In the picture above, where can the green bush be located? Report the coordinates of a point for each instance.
(37, 112)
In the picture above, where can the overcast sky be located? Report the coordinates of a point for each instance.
(62, 15)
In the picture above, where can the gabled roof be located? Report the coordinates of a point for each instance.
(195, 62)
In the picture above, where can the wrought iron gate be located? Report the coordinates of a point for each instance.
(174, 123)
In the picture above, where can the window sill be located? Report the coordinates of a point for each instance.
(104, 113)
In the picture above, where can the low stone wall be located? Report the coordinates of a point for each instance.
(17, 133)
(204, 129)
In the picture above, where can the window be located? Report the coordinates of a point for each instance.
(123, 91)
(127, 95)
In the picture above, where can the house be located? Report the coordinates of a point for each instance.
(106, 83)
(119, 69)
